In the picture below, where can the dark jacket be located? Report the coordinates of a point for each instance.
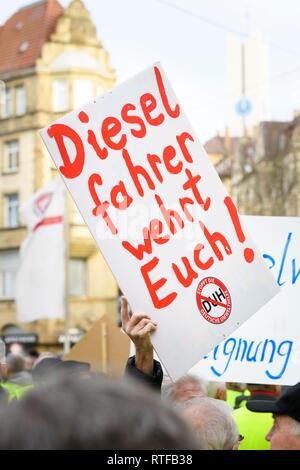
(3, 396)
(154, 381)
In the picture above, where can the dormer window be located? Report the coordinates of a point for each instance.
(23, 47)
(19, 25)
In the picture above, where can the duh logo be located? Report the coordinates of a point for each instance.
(213, 300)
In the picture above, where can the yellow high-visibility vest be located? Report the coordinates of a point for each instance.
(15, 392)
(254, 427)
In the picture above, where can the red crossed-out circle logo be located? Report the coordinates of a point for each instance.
(213, 300)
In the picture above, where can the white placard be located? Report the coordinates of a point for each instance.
(266, 348)
(161, 216)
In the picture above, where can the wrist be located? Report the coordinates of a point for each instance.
(144, 361)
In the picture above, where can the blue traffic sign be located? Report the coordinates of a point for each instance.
(243, 107)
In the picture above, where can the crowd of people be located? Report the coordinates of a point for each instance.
(70, 407)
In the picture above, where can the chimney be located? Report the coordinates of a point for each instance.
(296, 113)
(227, 139)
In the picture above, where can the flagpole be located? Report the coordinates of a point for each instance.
(67, 254)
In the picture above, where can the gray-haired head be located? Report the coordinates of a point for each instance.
(212, 421)
(185, 388)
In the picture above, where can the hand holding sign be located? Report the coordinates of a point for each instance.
(138, 328)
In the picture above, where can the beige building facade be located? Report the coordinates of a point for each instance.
(51, 62)
(266, 170)
(261, 172)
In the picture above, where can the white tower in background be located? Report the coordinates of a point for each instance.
(248, 83)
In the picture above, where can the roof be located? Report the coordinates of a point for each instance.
(29, 28)
(217, 145)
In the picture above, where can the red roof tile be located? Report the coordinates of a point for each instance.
(217, 145)
(31, 26)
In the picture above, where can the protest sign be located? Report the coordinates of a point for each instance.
(266, 348)
(161, 216)
(278, 239)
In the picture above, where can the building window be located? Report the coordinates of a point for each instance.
(19, 25)
(11, 210)
(83, 92)
(8, 269)
(60, 96)
(77, 276)
(11, 156)
(7, 105)
(20, 100)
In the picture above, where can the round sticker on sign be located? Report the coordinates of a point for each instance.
(213, 300)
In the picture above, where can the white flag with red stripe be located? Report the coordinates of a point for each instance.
(40, 286)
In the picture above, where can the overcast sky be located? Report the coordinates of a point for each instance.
(192, 47)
